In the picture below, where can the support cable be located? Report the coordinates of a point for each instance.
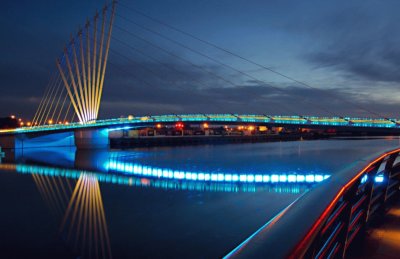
(99, 65)
(134, 76)
(41, 104)
(62, 94)
(51, 109)
(173, 69)
(248, 60)
(175, 56)
(93, 86)
(160, 77)
(80, 95)
(46, 107)
(89, 76)
(106, 55)
(79, 106)
(85, 85)
(39, 118)
(219, 62)
(58, 87)
(66, 113)
(71, 96)
(62, 107)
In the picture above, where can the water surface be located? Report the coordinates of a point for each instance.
(156, 202)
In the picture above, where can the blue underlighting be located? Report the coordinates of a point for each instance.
(199, 181)
(148, 171)
(120, 128)
(137, 122)
(364, 179)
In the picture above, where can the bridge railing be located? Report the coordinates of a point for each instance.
(303, 121)
(324, 222)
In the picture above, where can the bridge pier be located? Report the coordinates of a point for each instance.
(91, 138)
(8, 142)
(20, 141)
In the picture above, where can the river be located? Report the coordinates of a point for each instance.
(170, 202)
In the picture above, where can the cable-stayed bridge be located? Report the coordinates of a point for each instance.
(72, 99)
(68, 114)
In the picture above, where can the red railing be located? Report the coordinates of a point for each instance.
(326, 221)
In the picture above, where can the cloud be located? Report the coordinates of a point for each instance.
(181, 93)
(359, 40)
(353, 47)
(369, 63)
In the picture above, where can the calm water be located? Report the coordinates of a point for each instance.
(175, 202)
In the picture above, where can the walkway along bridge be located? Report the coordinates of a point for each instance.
(95, 134)
(353, 198)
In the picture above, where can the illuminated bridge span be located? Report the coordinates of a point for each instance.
(95, 134)
(350, 200)
(300, 121)
(77, 87)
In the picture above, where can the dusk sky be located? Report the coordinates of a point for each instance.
(347, 51)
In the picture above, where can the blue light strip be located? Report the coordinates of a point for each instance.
(165, 173)
(364, 179)
(119, 179)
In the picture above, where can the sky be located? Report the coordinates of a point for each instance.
(342, 57)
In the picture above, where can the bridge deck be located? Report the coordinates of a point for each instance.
(382, 240)
(304, 121)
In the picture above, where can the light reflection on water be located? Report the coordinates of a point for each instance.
(84, 220)
(82, 190)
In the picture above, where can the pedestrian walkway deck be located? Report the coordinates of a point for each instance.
(382, 240)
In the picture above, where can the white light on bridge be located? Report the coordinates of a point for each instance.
(379, 178)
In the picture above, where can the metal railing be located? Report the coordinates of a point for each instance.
(309, 121)
(324, 222)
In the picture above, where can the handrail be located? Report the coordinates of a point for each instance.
(310, 121)
(325, 221)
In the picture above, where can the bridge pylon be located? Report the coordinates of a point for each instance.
(86, 73)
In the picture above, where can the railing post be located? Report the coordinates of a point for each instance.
(387, 174)
(370, 189)
(351, 197)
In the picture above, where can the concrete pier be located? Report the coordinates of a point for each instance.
(91, 138)
(7, 142)
(20, 141)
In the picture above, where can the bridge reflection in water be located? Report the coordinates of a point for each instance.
(118, 167)
(83, 225)
(121, 203)
(68, 182)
